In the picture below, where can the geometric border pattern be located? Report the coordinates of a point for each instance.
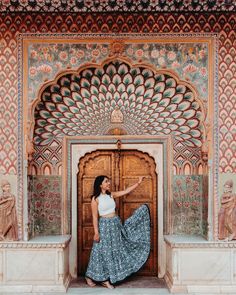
(117, 6)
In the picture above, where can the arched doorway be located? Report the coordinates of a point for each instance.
(123, 168)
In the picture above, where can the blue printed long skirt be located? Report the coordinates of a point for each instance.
(123, 249)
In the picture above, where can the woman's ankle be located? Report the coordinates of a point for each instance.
(108, 285)
(90, 282)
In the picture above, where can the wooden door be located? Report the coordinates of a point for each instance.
(90, 166)
(123, 168)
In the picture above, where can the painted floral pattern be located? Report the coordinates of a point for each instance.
(47, 60)
(45, 205)
(189, 61)
(188, 202)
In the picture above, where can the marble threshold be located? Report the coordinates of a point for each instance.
(116, 291)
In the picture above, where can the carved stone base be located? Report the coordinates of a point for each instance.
(195, 265)
(39, 265)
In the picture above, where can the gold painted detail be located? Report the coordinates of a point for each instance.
(117, 48)
(117, 116)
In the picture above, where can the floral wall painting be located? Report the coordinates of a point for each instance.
(188, 60)
(44, 205)
(189, 205)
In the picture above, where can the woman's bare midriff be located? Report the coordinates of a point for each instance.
(109, 215)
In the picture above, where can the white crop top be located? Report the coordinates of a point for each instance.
(106, 204)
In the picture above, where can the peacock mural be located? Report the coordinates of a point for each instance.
(150, 102)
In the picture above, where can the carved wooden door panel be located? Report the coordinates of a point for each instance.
(132, 165)
(123, 169)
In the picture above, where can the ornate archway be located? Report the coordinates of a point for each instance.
(118, 95)
(151, 101)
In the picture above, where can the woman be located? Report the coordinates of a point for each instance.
(118, 250)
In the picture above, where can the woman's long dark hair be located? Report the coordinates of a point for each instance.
(96, 187)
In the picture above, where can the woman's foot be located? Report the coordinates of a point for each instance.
(107, 284)
(90, 282)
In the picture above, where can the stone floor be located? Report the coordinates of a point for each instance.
(132, 286)
(131, 282)
(116, 291)
(99, 291)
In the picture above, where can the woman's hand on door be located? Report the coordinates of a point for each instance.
(140, 179)
(96, 237)
(129, 189)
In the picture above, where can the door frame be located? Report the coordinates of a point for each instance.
(158, 147)
(83, 169)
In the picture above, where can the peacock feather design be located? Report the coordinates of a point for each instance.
(151, 103)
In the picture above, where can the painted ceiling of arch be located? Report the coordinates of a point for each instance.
(151, 103)
(117, 5)
(188, 60)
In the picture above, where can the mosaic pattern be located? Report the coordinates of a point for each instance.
(81, 104)
(8, 105)
(47, 159)
(186, 155)
(188, 60)
(44, 205)
(227, 101)
(117, 5)
(188, 204)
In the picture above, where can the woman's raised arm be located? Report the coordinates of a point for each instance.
(128, 190)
